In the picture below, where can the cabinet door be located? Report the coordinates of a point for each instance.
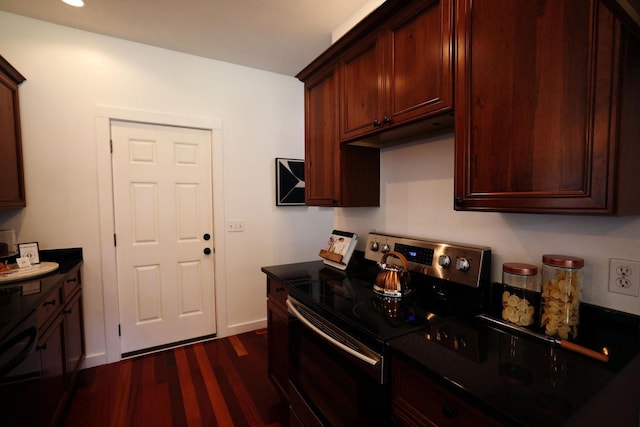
(52, 370)
(322, 149)
(399, 74)
(335, 174)
(278, 334)
(417, 400)
(11, 173)
(536, 105)
(418, 63)
(74, 337)
(278, 346)
(361, 72)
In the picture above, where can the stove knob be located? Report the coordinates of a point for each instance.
(462, 264)
(444, 261)
(386, 248)
(459, 343)
(442, 335)
(375, 246)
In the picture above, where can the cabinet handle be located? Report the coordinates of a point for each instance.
(386, 120)
(280, 289)
(52, 302)
(458, 201)
(42, 347)
(72, 280)
(376, 123)
(68, 311)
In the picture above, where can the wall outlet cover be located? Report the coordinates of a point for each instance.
(624, 276)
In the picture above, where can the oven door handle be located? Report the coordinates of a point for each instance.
(354, 353)
(31, 334)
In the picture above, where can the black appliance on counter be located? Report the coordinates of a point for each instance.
(339, 340)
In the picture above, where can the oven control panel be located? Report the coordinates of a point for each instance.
(464, 264)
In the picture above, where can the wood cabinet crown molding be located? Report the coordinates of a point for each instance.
(7, 69)
(628, 11)
(367, 25)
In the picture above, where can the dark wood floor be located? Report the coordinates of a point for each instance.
(222, 382)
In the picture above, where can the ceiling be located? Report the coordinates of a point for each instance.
(282, 36)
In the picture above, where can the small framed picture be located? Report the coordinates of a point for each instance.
(30, 250)
(289, 182)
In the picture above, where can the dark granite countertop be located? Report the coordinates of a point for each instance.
(522, 380)
(18, 299)
(292, 273)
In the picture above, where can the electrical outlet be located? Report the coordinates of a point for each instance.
(624, 276)
(235, 226)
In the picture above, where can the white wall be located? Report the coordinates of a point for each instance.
(69, 73)
(359, 15)
(417, 201)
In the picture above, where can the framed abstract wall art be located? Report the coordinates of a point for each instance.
(289, 182)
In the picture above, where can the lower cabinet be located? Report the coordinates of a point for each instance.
(278, 335)
(74, 337)
(52, 370)
(60, 346)
(417, 400)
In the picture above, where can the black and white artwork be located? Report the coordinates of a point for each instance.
(289, 182)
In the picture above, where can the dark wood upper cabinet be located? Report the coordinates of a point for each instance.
(322, 148)
(400, 73)
(383, 80)
(361, 108)
(546, 94)
(11, 172)
(547, 107)
(335, 174)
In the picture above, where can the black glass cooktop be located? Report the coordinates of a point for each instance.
(351, 304)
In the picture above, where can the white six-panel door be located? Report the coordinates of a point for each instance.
(163, 214)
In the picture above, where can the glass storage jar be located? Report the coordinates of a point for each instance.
(520, 293)
(560, 298)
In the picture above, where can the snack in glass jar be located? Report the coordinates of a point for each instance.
(517, 310)
(561, 287)
(521, 293)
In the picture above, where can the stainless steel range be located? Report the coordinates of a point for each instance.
(339, 345)
(455, 263)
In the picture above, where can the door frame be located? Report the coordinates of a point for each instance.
(104, 115)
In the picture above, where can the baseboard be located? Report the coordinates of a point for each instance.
(93, 360)
(241, 328)
(97, 359)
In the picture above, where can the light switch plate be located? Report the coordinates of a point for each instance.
(235, 226)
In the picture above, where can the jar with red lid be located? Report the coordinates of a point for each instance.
(560, 298)
(520, 293)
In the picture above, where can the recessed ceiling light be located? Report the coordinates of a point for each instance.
(74, 3)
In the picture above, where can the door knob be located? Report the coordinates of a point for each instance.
(207, 251)
(206, 236)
